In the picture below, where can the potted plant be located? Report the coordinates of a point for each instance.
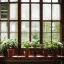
(45, 48)
(35, 45)
(26, 45)
(54, 48)
(8, 47)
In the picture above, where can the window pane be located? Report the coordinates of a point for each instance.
(4, 0)
(46, 26)
(34, 0)
(25, 11)
(35, 31)
(4, 11)
(25, 36)
(35, 11)
(4, 36)
(24, 0)
(35, 36)
(13, 12)
(13, 35)
(3, 26)
(24, 31)
(55, 37)
(56, 27)
(46, 0)
(13, 27)
(54, 0)
(46, 37)
(13, 0)
(46, 11)
(56, 12)
(25, 27)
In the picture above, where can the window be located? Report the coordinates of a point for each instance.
(37, 18)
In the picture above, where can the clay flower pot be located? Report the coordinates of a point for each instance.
(10, 52)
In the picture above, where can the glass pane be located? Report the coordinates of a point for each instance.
(25, 36)
(25, 11)
(35, 12)
(34, 0)
(4, 26)
(35, 27)
(46, 26)
(56, 27)
(46, 11)
(4, 0)
(13, 35)
(46, 0)
(13, 27)
(24, 31)
(35, 36)
(25, 27)
(56, 12)
(13, 12)
(4, 11)
(55, 37)
(4, 36)
(24, 0)
(54, 0)
(46, 37)
(13, 0)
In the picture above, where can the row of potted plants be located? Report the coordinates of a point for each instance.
(46, 48)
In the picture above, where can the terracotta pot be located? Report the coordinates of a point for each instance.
(26, 53)
(54, 52)
(45, 52)
(10, 52)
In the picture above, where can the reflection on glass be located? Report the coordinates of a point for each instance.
(24, 31)
(46, 37)
(13, 12)
(3, 26)
(46, 26)
(54, 0)
(4, 11)
(56, 37)
(25, 27)
(13, 27)
(35, 11)
(35, 36)
(4, 36)
(55, 26)
(35, 29)
(34, 0)
(13, 0)
(4, 0)
(13, 35)
(25, 12)
(56, 11)
(24, 0)
(25, 36)
(46, 11)
(46, 0)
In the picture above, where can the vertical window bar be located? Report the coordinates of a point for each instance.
(41, 22)
(30, 22)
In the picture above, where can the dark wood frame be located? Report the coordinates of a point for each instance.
(41, 20)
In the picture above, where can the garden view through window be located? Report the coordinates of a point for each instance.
(40, 20)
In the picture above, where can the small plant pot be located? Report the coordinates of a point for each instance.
(34, 52)
(4, 52)
(54, 52)
(45, 52)
(10, 52)
(26, 53)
